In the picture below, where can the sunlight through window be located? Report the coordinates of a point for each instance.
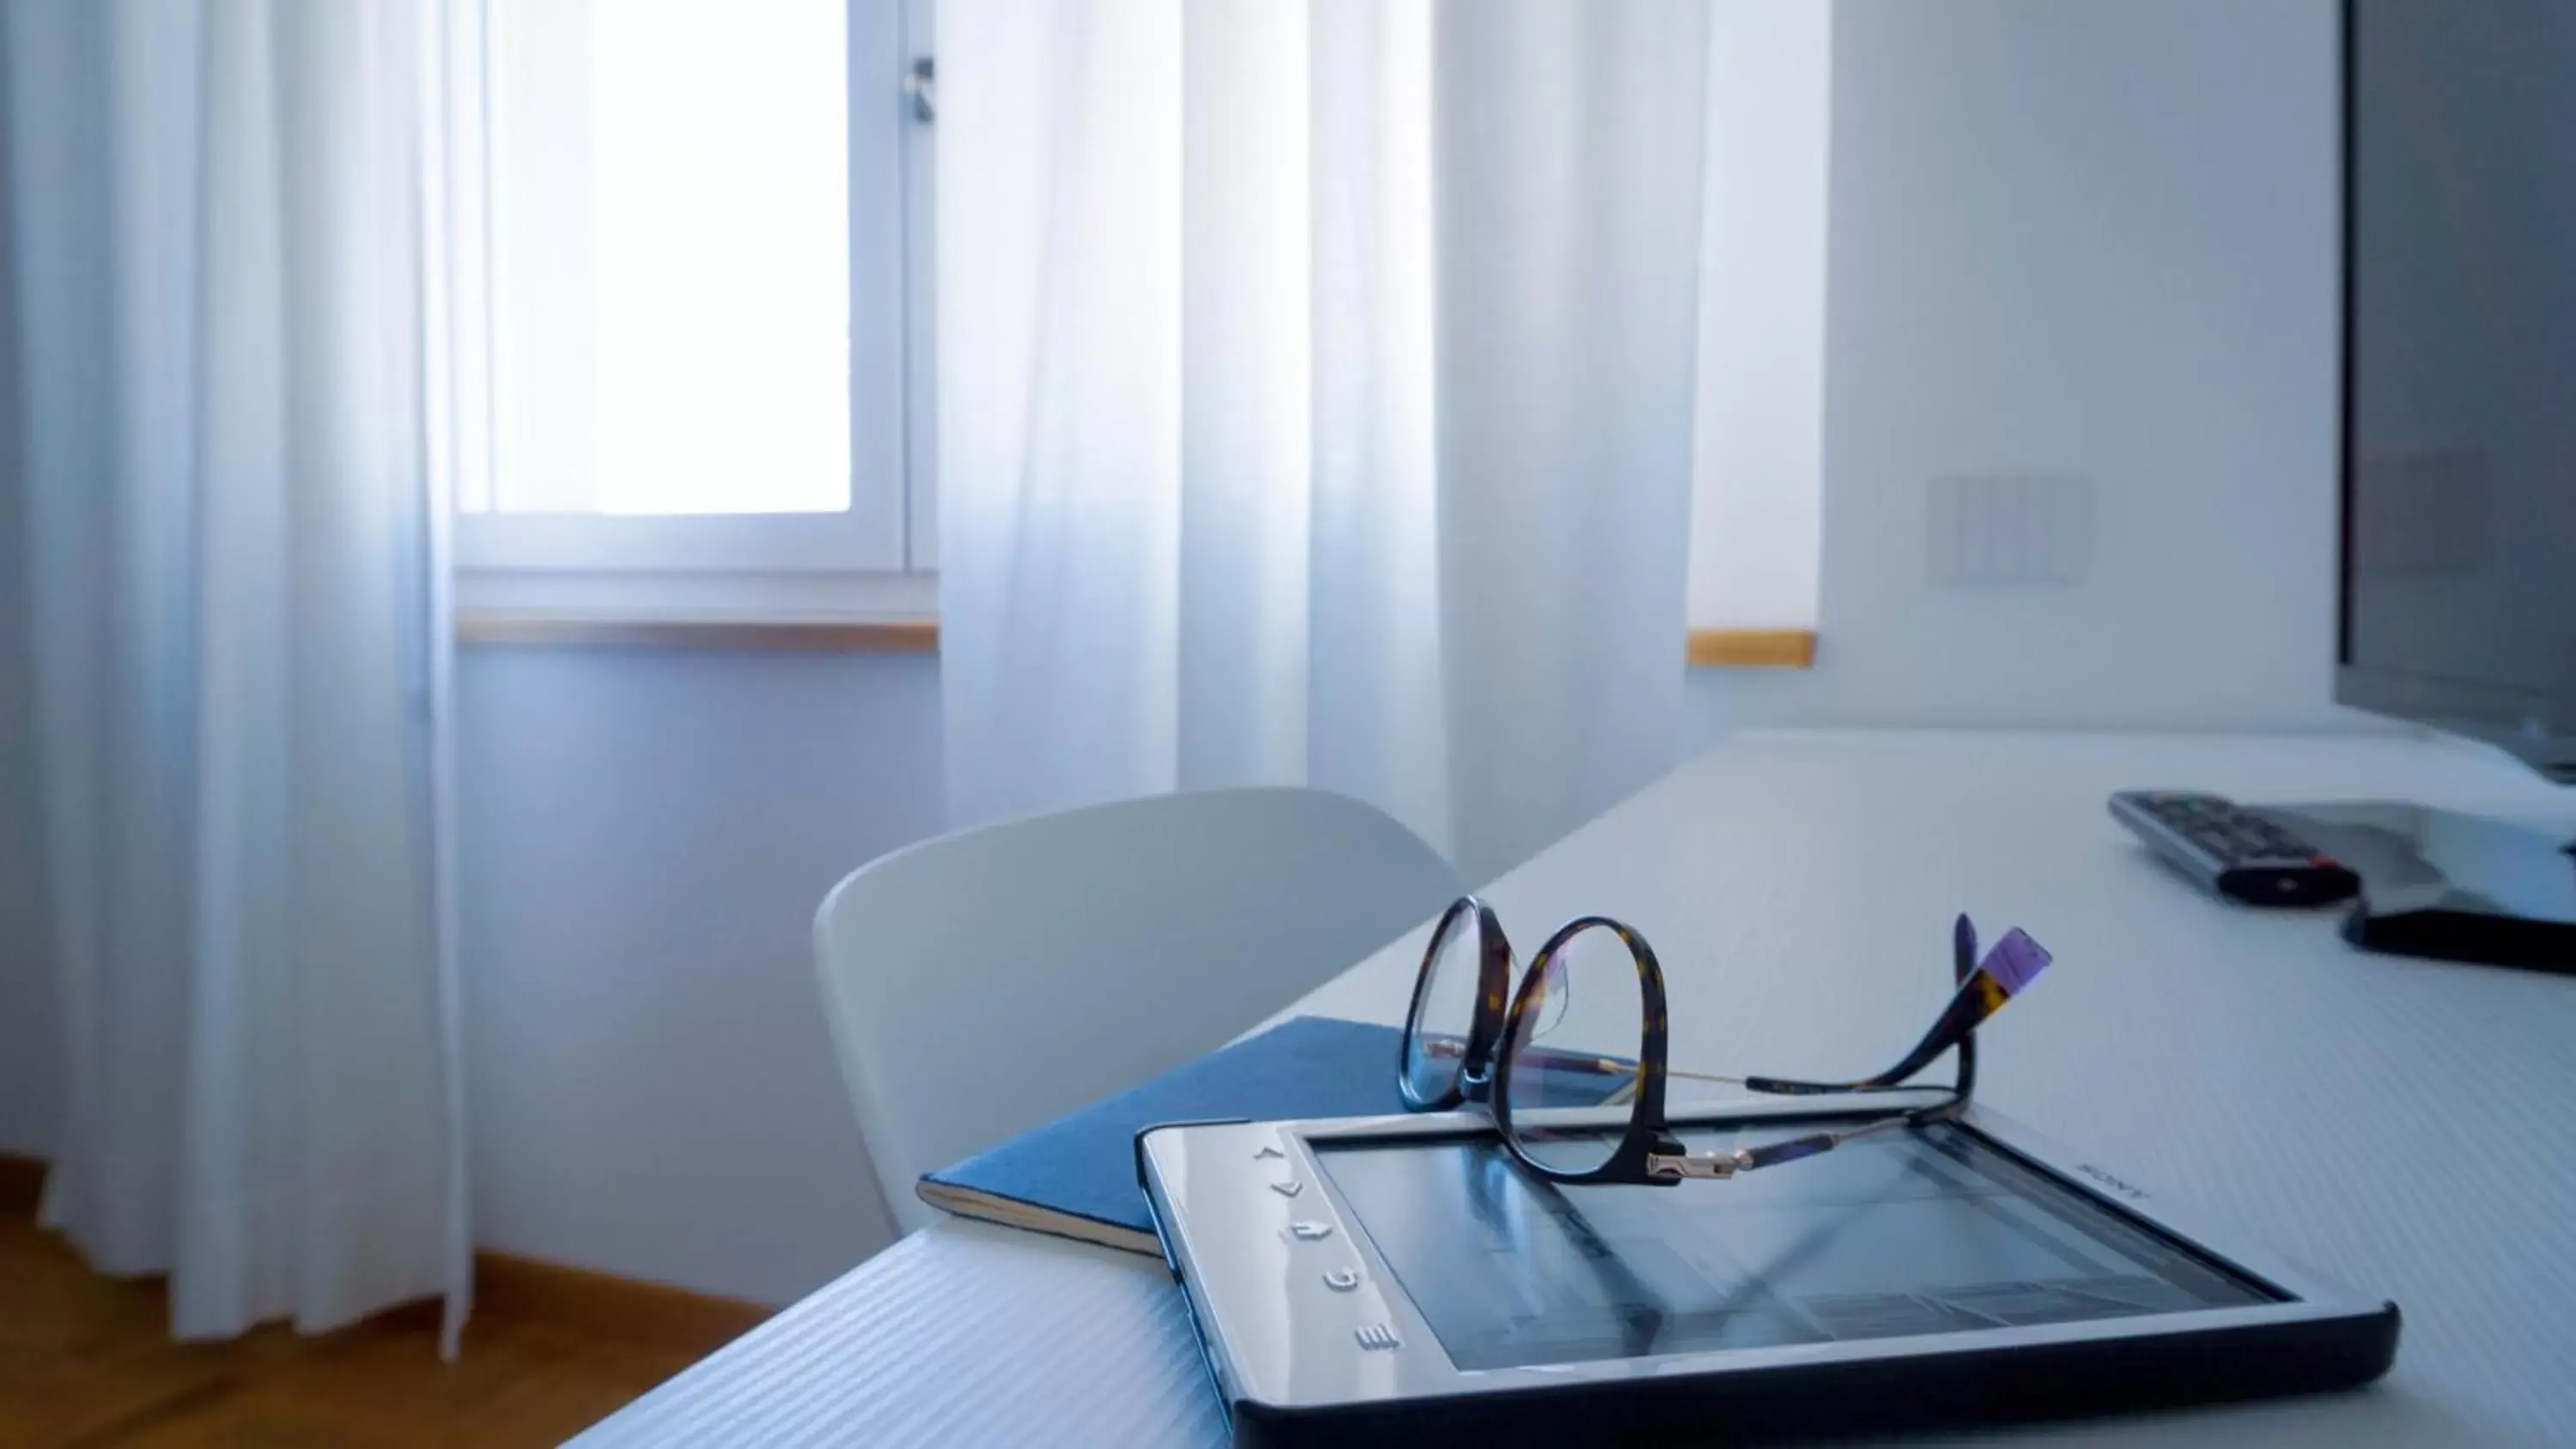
(671, 257)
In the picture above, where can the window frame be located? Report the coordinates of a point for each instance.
(869, 561)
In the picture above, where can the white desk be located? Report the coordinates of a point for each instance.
(2406, 1127)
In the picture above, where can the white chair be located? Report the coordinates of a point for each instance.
(987, 982)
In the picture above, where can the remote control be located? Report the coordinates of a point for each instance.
(2233, 851)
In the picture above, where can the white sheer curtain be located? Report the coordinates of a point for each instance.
(239, 648)
(1316, 401)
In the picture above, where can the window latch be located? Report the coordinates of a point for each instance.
(921, 84)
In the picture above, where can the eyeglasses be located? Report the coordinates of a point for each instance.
(1587, 1028)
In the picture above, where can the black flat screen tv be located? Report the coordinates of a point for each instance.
(2458, 605)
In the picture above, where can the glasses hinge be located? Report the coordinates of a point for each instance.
(1691, 1164)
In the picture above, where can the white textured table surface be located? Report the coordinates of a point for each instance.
(2406, 1127)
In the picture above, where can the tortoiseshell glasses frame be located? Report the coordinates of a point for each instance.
(1648, 1152)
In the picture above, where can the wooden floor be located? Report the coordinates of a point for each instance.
(88, 1361)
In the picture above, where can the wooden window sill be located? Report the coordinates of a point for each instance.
(1752, 648)
(1708, 648)
(856, 636)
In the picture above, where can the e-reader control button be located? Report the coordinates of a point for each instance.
(1311, 1232)
(1377, 1337)
(1342, 1280)
(1289, 1188)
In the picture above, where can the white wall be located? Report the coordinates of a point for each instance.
(2091, 239)
(645, 836)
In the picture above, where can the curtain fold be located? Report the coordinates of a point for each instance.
(1568, 196)
(238, 640)
(1316, 402)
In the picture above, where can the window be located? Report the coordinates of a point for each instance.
(688, 251)
(695, 263)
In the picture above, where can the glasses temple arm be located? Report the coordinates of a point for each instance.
(1792, 1149)
(2007, 970)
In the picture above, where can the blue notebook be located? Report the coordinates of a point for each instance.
(1076, 1177)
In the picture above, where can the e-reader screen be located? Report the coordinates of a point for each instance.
(1921, 1232)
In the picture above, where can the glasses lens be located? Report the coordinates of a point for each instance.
(1444, 1008)
(1576, 1030)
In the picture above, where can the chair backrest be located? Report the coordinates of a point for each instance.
(987, 982)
